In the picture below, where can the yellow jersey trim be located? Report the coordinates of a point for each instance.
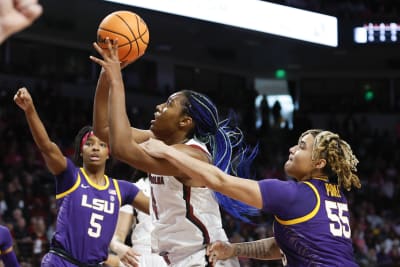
(72, 189)
(98, 187)
(118, 192)
(325, 179)
(307, 216)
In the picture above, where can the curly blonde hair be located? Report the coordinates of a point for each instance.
(340, 160)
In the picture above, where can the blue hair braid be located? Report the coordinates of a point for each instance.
(226, 144)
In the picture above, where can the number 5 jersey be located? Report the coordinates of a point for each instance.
(88, 213)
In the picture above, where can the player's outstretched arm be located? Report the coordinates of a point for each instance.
(55, 160)
(16, 15)
(100, 107)
(100, 110)
(244, 190)
(264, 249)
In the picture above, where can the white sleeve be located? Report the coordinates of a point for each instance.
(127, 209)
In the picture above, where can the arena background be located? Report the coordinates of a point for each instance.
(352, 89)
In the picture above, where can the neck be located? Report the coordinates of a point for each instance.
(175, 140)
(96, 176)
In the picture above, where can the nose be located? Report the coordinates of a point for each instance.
(96, 146)
(293, 149)
(159, 107)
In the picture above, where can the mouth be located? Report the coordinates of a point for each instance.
(156, 115)
(94, 157)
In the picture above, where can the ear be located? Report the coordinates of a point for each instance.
(320, 164)
(185, 121)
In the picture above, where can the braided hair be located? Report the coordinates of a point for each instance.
(341, 163)
(225, 141)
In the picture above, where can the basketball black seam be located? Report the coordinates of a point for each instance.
(133, 34)
(141, 35)
(105, 29)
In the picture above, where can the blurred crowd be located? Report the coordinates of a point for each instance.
(27, 201)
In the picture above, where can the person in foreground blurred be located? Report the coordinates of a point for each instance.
(7, 254)
(16, 15)
(88, 200)
(141, 225)
(312, 224)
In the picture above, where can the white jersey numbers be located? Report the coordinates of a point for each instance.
(340, 224)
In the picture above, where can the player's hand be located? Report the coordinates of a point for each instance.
(219, 251)
(15, 15)
(130, 258)
(23, 99)
(155, 148)
(110, 62)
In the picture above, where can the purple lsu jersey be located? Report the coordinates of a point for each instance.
(7, 254)
(312, 224)
(88, 213)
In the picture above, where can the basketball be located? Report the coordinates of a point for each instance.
(130, 30)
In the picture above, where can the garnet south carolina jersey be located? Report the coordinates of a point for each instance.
(185, 218)
(88, 213)
(312, 225)
(7, 254)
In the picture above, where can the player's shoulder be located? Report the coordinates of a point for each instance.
(123, 183)
(4, 232)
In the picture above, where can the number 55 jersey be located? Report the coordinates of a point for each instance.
(312, 224)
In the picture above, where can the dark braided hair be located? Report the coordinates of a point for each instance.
(225, 141)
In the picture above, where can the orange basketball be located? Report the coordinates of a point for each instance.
(130, 30)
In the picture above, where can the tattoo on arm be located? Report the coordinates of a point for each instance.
(265, 249)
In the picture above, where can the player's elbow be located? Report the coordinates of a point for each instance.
(123, 152)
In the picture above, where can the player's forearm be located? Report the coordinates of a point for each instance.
(264, 249)
(196, 169)
(100, 108)
(120, 130)
(38, 130)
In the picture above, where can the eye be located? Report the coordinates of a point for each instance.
(302, 145)
(103, 145)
